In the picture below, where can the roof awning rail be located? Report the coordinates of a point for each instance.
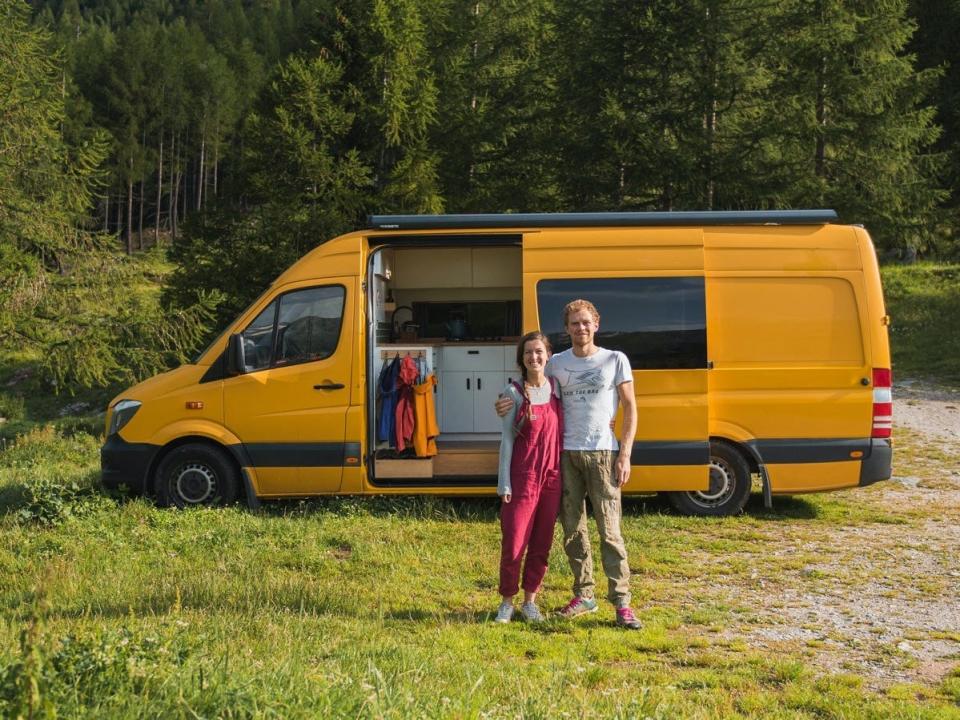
(489, 221)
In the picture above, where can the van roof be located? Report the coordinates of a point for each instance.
(600, 219)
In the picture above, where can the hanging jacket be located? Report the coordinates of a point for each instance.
(387, 389)
(407, 376)
(425, 429)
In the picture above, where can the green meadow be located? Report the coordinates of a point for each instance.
(382, 607)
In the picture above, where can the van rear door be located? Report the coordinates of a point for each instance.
(648, 285)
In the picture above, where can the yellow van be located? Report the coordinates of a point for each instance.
(758, 342)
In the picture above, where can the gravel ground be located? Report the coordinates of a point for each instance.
(881, 600)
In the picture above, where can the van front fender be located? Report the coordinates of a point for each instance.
(197, 427)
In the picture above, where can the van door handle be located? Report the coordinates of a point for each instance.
(329, 386)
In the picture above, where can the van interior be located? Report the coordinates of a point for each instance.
(455, 311)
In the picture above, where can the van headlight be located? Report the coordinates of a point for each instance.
(123, 412)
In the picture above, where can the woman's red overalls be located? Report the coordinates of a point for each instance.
(527, 520)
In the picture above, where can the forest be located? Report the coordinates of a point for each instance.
(162, 160)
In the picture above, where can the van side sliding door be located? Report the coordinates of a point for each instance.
(648, 286)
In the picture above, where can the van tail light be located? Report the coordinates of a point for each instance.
(882, 403)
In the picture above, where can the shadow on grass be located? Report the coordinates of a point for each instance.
(22, 606)
(416, 507)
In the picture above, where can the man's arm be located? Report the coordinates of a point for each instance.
(629, 404)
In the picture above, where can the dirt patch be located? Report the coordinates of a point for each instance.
(926, 408)
(878, 599)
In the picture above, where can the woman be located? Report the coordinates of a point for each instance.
(529, 479)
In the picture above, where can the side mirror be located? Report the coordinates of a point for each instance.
(236, 363)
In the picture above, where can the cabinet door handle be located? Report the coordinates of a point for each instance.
(468, 383)
(479, 386)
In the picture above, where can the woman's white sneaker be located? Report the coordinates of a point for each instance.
(531, 613)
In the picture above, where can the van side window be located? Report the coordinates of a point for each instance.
(258, 339)
(308, 324)
(660, 323)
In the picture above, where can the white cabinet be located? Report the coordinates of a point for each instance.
(489, 385)
(471, 377)
(471, 357)
(458, 392)
(496, 267)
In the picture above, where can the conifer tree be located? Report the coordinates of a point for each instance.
(64, 291)
(305, 185)
(856, 127)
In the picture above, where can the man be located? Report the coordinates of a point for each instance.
(593, 381)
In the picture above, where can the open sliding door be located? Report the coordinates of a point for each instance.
(648, 285)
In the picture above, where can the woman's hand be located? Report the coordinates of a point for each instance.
(507, 497)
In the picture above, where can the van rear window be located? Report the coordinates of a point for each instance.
(660, 323)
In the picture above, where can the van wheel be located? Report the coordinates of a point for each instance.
(729, 485)
(196, 475)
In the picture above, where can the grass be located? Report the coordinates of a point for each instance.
(382, 608)
(922, 301)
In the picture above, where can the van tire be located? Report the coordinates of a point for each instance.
(730, 485)
(196, 475)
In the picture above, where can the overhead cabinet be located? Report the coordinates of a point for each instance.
(456, 268)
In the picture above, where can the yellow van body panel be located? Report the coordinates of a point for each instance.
(165, 399)
(795, 325)
(294, 431)
(672, 405)
(814, 477)
(788, 331)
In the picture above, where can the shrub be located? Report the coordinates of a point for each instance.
(82, 672)
(51, 499)
(52, 477)
(11, 407)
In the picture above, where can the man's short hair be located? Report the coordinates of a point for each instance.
(577, 306)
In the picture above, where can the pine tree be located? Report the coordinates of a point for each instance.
(305, 185)
(64, 291)
(856, 129)
(495, 128)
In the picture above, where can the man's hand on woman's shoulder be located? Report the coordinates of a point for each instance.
(503, 405)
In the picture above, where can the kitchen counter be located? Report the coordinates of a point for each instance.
(440, 342)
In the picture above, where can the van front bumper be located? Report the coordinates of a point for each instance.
(878, 465)
(126, 464)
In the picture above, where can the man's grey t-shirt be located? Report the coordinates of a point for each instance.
(588, 387)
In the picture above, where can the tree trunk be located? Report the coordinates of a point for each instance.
(201, 170)
(821, 149)
(130, 209)
(156, 219)
(216, 158)
(118, 226)
(185, 175)
(106, 213)
(143, 191)
(710, 115)
(172, 203)
(821, 109)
